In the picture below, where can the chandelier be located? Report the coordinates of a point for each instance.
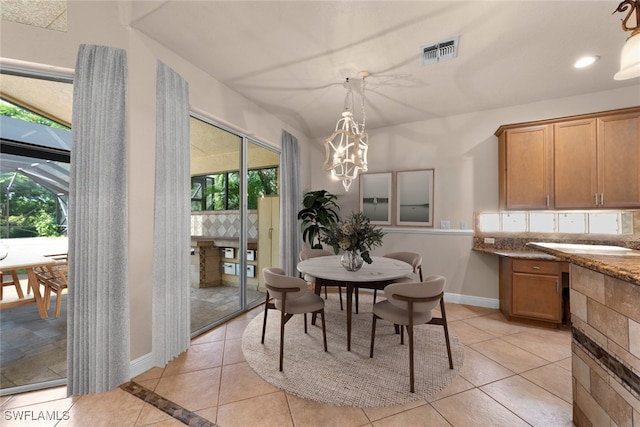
(346, 148)
(630, 59)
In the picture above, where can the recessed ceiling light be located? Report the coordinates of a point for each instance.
(585, 61)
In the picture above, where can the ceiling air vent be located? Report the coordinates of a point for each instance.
(438, 52)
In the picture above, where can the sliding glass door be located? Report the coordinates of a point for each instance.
(231, 177)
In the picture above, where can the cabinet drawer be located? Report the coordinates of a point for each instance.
(535, 267)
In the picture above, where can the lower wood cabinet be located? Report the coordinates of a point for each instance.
(532, 289)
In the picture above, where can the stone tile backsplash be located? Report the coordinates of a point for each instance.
(222, 224)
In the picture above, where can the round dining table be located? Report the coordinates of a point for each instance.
(328, 271)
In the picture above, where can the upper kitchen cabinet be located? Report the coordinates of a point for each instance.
(619, 161)
(525, 162)
(575, 164)
(581, 162)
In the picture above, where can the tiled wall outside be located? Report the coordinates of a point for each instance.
(222, 224)
(605, 314)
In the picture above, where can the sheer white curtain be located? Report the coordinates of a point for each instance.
(290, 203)
(98, 351)
(172, 216)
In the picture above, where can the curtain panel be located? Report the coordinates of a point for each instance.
(98, 349)
(290, 204)
(172, 216)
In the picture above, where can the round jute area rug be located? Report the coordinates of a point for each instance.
(343, 378)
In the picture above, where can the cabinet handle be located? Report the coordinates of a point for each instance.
(557, 287)
(601, 199)
(596, 199)
(535, 267)
(547, 200)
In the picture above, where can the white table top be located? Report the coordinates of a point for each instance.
(329, 267)
(16, 260)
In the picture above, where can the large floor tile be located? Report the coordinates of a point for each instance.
(551, 345)
(423, 415)
(508, 355)
(191, 390)
(552, 378)
(115, 407)
(197, 357)
(479, 369)
(474, 408)
(233, 352)
(240, 382)
(467, 333)
(310, 413)
(386, 411)
(530, 402)
(496, 324)
(269, 410)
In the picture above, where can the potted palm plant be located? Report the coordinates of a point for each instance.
(320, 212)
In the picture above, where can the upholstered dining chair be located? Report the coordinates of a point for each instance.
(411, 258)
(291, 296)
(313, 253)
(410, 304)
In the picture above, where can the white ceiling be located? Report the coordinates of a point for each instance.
(292, 57)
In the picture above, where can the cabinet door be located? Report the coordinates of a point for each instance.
(537, 296)
(619, 160)
(574, 158)
(527, 167)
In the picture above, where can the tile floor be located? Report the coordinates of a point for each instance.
(513, 375)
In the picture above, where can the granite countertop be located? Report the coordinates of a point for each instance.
(520, 254)
(620, 263)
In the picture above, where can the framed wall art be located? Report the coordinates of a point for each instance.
(414, 198)
(375, 197)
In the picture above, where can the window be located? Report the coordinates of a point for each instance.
(221, 191)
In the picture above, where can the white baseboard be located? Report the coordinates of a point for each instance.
(472, 300)
(141, 364)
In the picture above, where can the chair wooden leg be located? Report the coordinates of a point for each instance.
(305, 322)
(325, 292)
(446, 332)
(401, 334)
(264, 323)
(373, 335)
(340, 293)
(58, 302)
(47, 297)
(411, 375)
(282, 322)
(375, 295)
(324, 330)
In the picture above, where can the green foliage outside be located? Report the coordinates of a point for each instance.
(16, 112)
(31, 208)
(260, 182)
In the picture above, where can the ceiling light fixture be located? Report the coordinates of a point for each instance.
(346, 148)
(585, 61)
(630, 59)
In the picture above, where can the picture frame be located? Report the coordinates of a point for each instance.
(414, 198)
(376, 203)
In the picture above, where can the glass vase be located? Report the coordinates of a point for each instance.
(351, 261)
